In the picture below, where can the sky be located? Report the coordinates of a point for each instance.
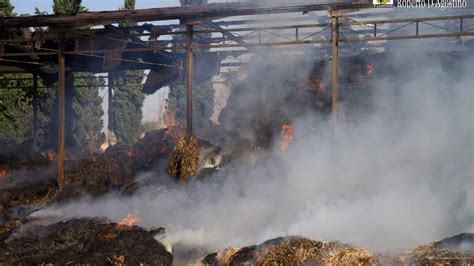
(28, 6)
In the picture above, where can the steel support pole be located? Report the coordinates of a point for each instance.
(61, 112)
(189, 80)
(35, 112)
(335, 70)
(110, 96)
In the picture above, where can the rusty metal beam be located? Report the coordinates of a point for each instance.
(81, 33)
(215, 10)
(35, 112)
(404, 20)
(406, 37)
(189, 80)
(230, 35)
(263, 44)
(61, 113)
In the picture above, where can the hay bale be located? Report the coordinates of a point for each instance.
(350, 256)
(185, 159)
(293, 250)
(282, 251)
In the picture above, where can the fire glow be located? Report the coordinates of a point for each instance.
(287, 135)
(4, 173)
(128, 221)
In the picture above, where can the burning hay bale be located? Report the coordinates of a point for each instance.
(118, 166)
(219, 258)
(83, 241)
(155, 147)
(184, 162)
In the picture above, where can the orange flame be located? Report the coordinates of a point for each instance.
(128, 221)
(3, 173)
(287, 134)
(370, 69)
(52, 155)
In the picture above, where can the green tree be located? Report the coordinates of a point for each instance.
(67, 7)
(15, 110)
(127, 98)
(16, 99)
(86, 104)
(129, 5)
(127, 103)
(6, 9)
(203, 94)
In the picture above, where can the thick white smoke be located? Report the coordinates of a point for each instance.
(399, 176)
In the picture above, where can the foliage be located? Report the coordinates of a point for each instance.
(6, 9)
(67, 7)
(86, 104)
(203, 103)
(129, 4)
(16, 110)
(127, 99)
(127, 103)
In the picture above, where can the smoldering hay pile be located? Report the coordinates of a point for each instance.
(83, 241)
(295, 250)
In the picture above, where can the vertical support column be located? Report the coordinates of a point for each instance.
(189, 79)
(335, 70)
(110, 92)
(35, 112)
(61, 112)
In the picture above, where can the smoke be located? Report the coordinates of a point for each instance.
(395, 177)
